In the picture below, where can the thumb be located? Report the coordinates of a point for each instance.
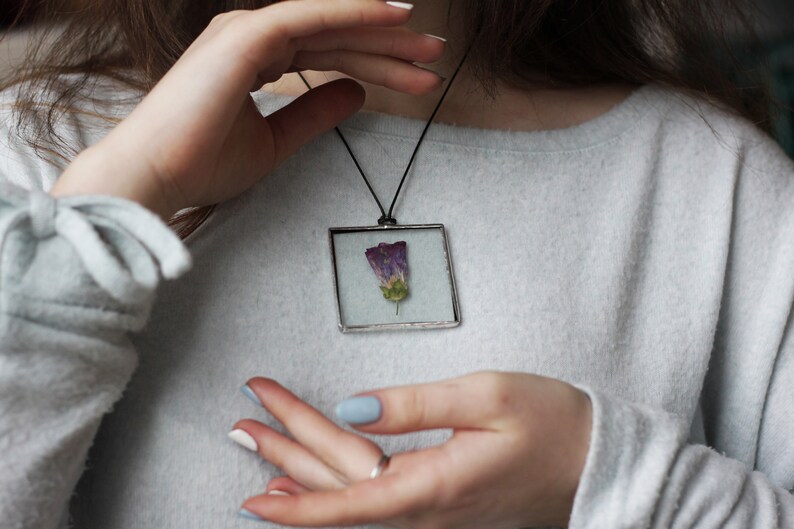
(312, 114)
(472, 402)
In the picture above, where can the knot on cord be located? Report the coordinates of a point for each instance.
(43, 210)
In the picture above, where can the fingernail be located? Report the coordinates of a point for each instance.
(244, 439)
(442, 39)
(401, 5)
(359, 410)
(245, 513)
(248, 392)
(276, 492)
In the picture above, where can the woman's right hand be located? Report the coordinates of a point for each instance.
(197, 138)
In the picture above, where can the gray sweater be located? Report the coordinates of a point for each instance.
(646, 256)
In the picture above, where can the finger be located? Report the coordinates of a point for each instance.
(272, 31)
(400, 43)
(285, 484)
(240, 46)
(290, 457)
(313, 113)
(377, 69)
(349, 454)
(308, 17)
(476, 401)
(371, 501)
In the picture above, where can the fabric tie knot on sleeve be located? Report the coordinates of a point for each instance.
(124, 247)
(43, 210)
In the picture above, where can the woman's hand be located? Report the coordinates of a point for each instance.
(197, 138)
(519, 446)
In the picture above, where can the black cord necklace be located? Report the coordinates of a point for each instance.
(386, 217)
(432, 300)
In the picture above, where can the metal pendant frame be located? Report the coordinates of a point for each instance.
(395, 326)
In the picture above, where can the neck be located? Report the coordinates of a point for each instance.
(467, 104)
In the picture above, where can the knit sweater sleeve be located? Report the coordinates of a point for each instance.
(77, 275)
(642, 470)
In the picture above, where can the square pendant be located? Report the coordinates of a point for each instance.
(393, 277)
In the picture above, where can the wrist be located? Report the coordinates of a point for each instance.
(580, 433)
(96, 171)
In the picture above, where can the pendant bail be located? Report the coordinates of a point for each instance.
(387, 220)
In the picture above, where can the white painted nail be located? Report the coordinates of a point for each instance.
(276, 492)
(244, 439)
(401, 5)
(442, 39)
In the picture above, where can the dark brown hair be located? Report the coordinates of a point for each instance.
(569, 42)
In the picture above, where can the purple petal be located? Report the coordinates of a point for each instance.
(389, 262)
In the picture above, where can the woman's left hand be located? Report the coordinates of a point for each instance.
(519, 445)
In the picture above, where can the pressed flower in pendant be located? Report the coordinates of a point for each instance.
(390, 265)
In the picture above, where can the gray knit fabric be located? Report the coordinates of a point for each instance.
(646, 256)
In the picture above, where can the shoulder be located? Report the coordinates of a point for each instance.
(701, 130)
(39, 136)
(706, 150)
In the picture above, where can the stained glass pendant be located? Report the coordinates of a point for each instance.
(393, 277)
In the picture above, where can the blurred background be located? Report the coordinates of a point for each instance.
(774, 53)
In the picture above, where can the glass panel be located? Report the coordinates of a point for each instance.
(431, 299)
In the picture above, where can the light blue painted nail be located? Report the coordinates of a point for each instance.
(359, 410)
(248, 392)
(245, 513)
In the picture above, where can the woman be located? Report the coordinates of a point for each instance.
(622, 253)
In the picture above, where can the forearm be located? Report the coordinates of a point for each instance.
(53, 398)
(641, 472)
(77, 276)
